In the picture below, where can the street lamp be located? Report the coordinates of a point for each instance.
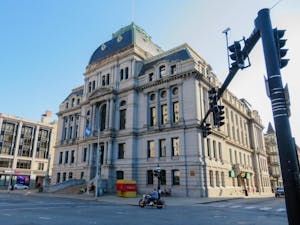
(158, 175)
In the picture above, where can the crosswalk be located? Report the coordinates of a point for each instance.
(244, 207)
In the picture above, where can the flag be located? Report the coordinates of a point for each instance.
(87, 132)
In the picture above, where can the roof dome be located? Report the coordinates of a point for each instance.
(123, 38)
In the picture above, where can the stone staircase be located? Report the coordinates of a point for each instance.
(72, 189)
(76, 183)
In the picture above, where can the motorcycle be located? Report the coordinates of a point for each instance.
(145, 202)
(166, 192)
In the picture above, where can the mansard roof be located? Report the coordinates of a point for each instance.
(76, 91)
(125, 37)
(179, 54)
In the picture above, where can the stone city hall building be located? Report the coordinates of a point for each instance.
(148, 104)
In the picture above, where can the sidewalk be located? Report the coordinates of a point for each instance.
(113, 198)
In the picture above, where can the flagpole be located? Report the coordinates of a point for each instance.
(87, 133)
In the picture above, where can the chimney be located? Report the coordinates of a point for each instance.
(46, 117)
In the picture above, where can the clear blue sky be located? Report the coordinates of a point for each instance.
(46, 45)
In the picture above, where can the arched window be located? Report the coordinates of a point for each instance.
(162, 71)
(123, 103)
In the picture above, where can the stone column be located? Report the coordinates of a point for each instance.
(132, 71)
(107, 115)
(158, 109)
(37, 128)
(17, 141)
(93, 118)
(169, 105)
(111, 114)
(109, 152)
(1, 121)
(180, 99)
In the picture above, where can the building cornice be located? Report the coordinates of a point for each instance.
(168, 79)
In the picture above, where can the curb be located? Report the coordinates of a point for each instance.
(220, 200)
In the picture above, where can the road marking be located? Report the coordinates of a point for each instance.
(220, 216)
(38, 203)
(220, 205)
(265, 208)
(234, 206)
(40, 208)
(250, 207)
(6, 214)
(45, 218)
(281, 210)
(122, 213)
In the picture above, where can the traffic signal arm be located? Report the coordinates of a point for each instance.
(249, 45)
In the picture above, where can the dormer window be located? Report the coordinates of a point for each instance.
(103, 47)
(94, 85)
(121, 74)
(126, 73)
(73, 102)
(151, 76)
(162, 71)
(119, 39)
(67, 105)
(90, 87)
(173, 69)
(107, 79)
(103, 80)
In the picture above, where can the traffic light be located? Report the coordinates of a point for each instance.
(212, 95)
(236, 55)
(213, 101)
(206, 130)
(219, 116)
(280, 43)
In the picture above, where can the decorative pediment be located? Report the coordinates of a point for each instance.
(100, 92)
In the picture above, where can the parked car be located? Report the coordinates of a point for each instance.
(279, 192)
(20, 187)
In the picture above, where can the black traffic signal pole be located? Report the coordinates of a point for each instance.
(287, 149)
(287, 153)
(249, 45)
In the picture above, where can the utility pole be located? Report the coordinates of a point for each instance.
(288, 157)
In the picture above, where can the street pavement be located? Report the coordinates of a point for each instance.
(33, 208)
(113, 198)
